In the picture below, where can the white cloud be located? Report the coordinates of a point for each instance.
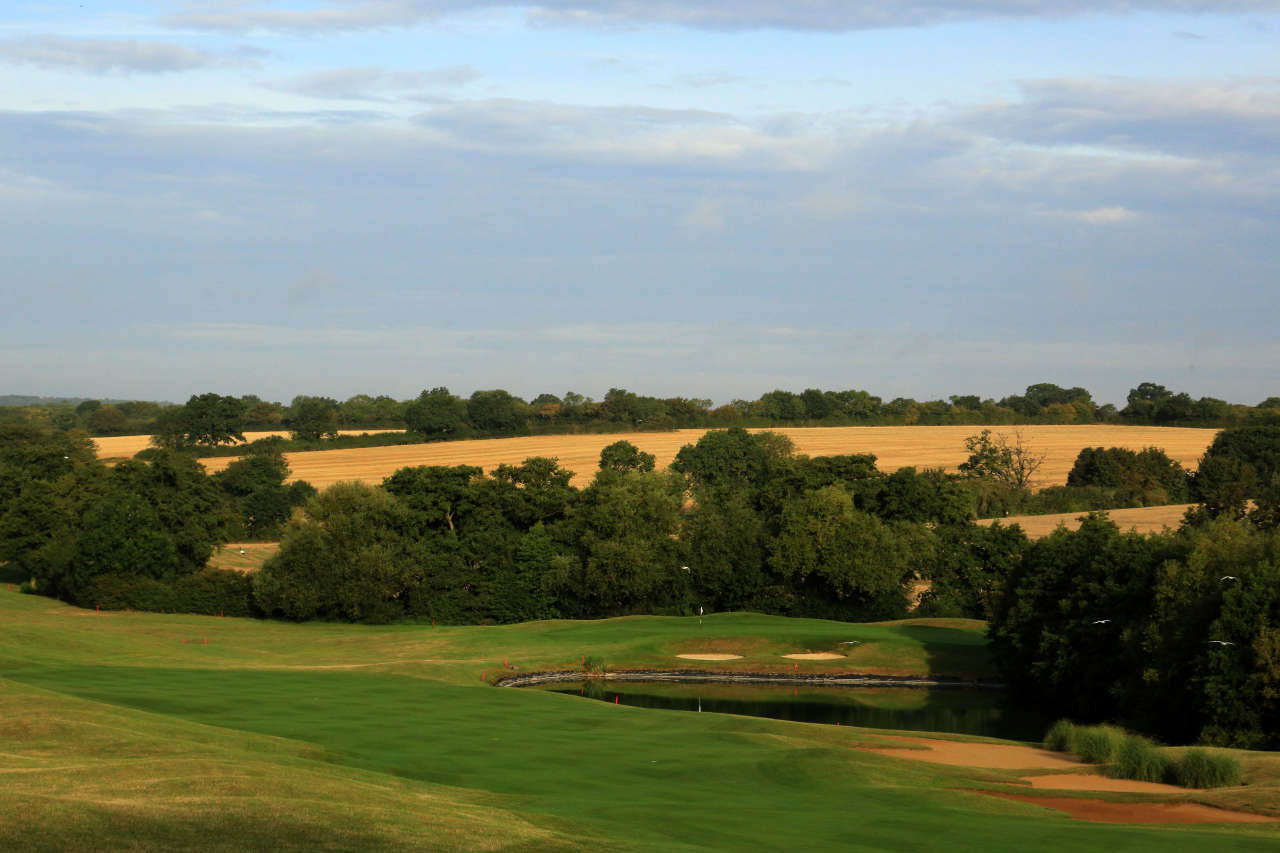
(100, 55)
(370, 83)
(1104, 215)
(707, 216)
(817, 15)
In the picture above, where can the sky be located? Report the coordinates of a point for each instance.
(701, 198)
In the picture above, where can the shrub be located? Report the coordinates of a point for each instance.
(1097, 744)
(215, 592)
(593, 664)
(1139, 759)
(1201, 769)
(1061, 736)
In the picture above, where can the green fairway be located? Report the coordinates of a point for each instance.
(117, 735)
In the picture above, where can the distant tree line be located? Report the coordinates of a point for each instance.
(1176, 634)
(210, 420)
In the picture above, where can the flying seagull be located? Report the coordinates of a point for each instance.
(1228, 578)
(1220, 643)
(1101, 621)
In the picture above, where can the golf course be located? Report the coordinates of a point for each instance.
(137, 731)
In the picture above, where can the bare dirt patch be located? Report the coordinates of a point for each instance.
(995, 756)
(710, 657)
(814, 656)
(1094, 782)
(1102, 811)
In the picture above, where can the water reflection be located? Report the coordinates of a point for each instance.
(960, 710)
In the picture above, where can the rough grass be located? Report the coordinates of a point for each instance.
(1097, 744)
(1139, 759)
(1199, 768)
(1060, 736)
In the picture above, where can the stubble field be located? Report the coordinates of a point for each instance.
(894, 447)
(124, 446)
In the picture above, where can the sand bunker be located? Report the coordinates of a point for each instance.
(814, 656)
(1092, 782)
(710, 657)
(991, 755)
(1102, 811)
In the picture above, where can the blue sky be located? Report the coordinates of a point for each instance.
(705, 198)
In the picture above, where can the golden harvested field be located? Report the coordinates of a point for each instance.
(1147, 519)
(124, 446)
(894, 447)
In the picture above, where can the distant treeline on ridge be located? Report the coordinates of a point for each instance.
(212, 419)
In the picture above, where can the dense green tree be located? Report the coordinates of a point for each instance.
(1141, 478)
(212, 419)
(726, 549)
(971, 567)
(1066, 627)
(495, 411)
(442, 497)
(436, 413)
(120, 535)
(832, 550)
(927, 496)
(312, 418)
(629, 558)
(185, 500)
(108, 420)
(623, 457)
(352, 556)
(536, 490)
(1223, 485)
(732, 458)
(255, 483)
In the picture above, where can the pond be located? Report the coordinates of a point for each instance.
(960, 710)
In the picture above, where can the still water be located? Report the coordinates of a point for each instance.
(951, 709)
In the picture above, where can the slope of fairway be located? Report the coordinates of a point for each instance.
(256, 742)
(894, 447)
(1143, 519)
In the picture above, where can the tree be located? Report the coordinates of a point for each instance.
(351, 557)
(833, 551)
(255, 483)
(623, 457)
(1009, 462)
(313, 418)
(441, 496)
(436, 413)
(628, 554)
(121, 535)
(726, 544)
(1066, 626)
(1223, 485)
(495, 411)
(732, 458)
(212, 419)
(185, 500)
(107, 420)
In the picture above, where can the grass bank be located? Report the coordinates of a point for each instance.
(115, 734)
